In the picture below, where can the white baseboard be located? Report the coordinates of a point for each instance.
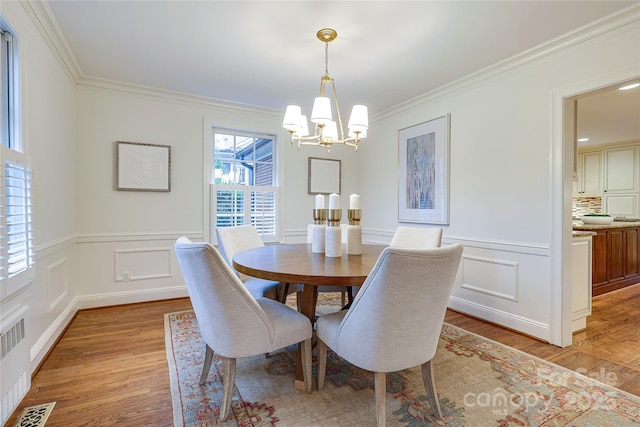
(128, 297)
(509, 320)
(48, 338)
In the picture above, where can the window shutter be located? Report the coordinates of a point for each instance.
(263, 212)
(18, 246)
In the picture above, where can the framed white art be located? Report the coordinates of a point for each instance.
(324, 176)
(423, 176)
(143, 167)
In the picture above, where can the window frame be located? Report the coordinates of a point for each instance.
(16, 202)
(249, 191)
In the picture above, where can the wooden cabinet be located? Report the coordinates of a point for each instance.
(616, 259)
(590, 175)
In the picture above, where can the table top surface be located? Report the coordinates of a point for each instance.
(296, 263)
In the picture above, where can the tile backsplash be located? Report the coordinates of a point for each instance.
(586, 205)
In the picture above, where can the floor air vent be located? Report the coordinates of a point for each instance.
(10, 338)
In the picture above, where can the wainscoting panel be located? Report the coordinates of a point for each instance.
(508, 283)
(494, 277)
(57, 283)
(142, 264)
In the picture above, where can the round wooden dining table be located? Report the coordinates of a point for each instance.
(297, 264)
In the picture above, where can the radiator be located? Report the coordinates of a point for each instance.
(15, 362)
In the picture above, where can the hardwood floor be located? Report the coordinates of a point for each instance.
(109, 367)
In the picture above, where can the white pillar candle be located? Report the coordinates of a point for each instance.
(334, 201)
(319, 201)
(354, 201)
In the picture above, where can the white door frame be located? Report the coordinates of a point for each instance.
(562, 155)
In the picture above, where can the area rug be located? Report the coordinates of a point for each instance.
(479, 382)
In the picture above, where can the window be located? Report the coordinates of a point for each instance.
(244, 182)
(17, 255)
(9, 103)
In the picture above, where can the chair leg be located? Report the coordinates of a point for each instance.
(208, 358)
(229, 378)
(430, 387)
(380, 386)
(283, 291)
(322, 363)
(306, 365)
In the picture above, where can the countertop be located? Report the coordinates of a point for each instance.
(577, 233)
(580, 226)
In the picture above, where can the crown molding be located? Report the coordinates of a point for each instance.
(625, 20)
(173, 96)
(42, 17)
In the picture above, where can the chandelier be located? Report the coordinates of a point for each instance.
(326, 129)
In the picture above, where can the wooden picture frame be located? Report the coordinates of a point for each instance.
(423, 178)
(143, 167)
(324, 176)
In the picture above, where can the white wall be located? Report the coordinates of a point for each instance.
(503, 174)
(124, 231)
(49, 132)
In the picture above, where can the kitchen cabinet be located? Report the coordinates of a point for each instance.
(621, 170)
(621, 205)
(621, 184)
(590, 174)
(581, 281)
(616, 258)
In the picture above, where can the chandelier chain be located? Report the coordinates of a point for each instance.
(326, 59)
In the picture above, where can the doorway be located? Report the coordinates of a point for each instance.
(605, 114)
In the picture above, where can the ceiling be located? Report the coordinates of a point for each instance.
(266, 54)
(609, 115)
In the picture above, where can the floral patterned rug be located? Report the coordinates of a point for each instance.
(479, 382)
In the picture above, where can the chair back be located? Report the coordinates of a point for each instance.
(232, 240)
(231, 321)
(416, 237)
(395, 320)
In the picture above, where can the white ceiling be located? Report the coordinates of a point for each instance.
(265, 53)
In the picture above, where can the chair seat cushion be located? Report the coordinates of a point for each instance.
(258, 287)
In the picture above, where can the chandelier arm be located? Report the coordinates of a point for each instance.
(335, 98)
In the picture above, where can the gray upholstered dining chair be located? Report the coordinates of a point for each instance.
(416, 237)
(232, 322)
(405, 287)
(232, 240)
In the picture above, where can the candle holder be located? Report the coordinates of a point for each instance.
(319, 216)
(354, 232)
(318, 233)
(333, 241)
